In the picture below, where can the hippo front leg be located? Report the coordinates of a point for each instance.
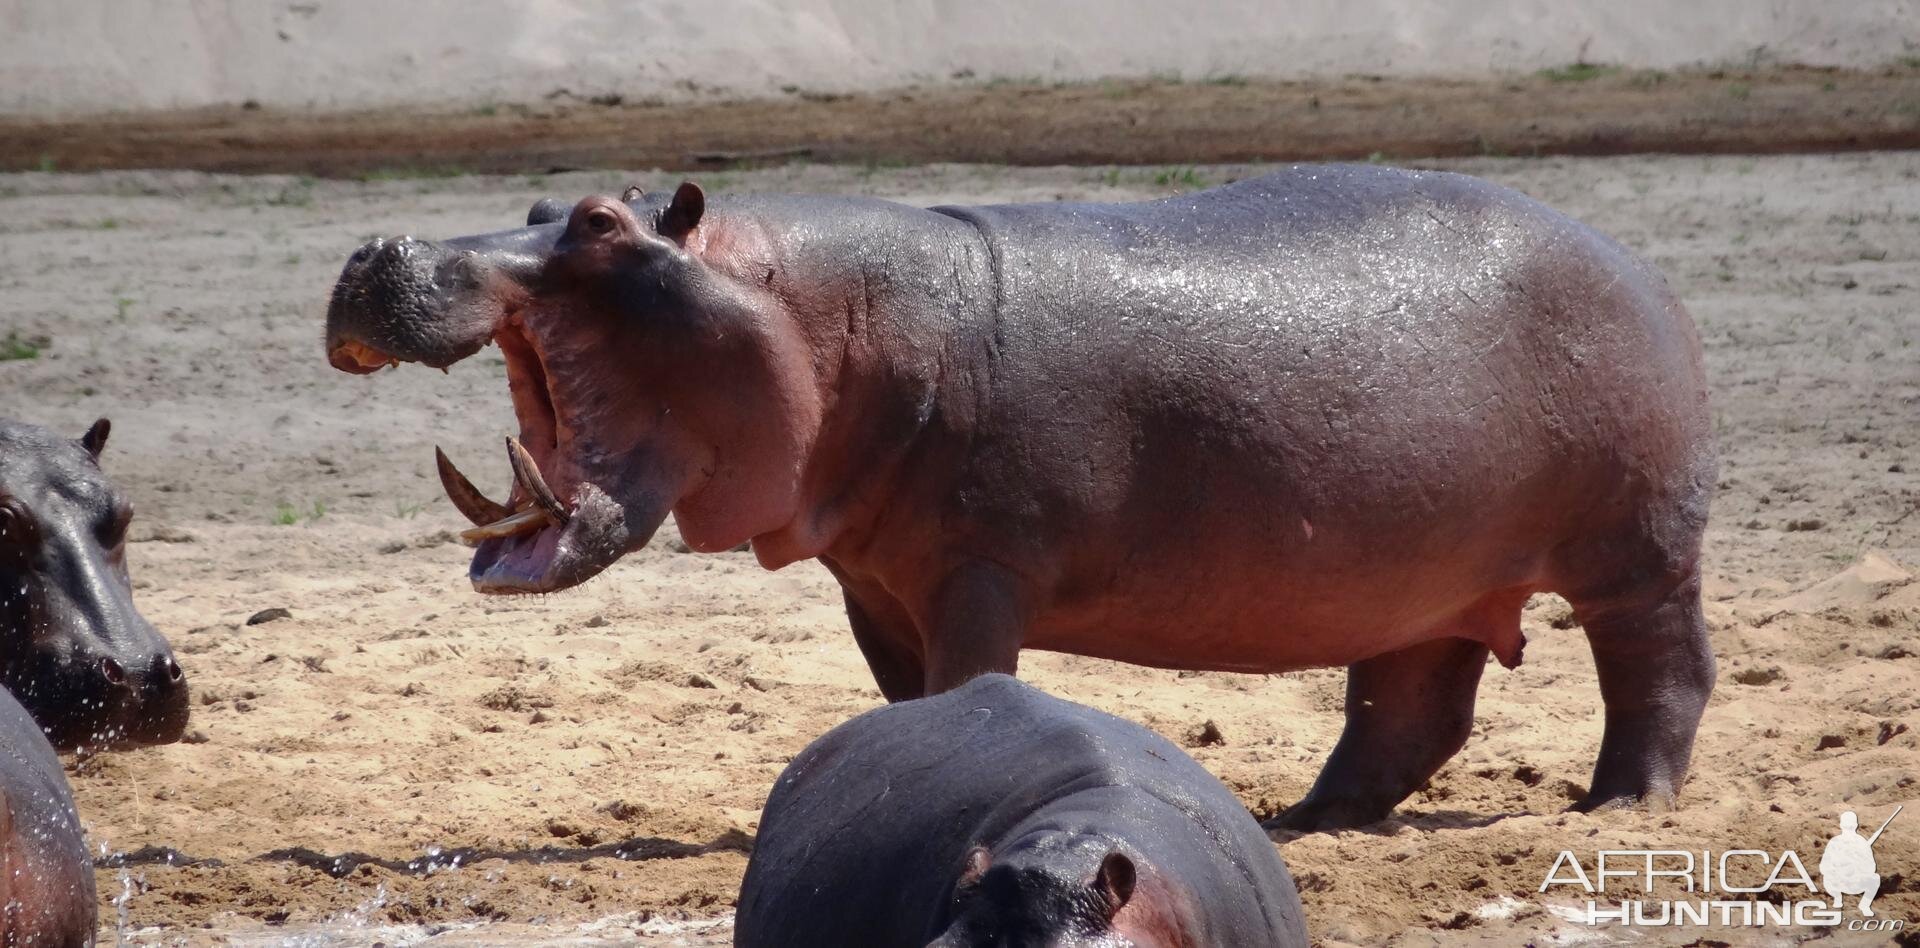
(974, 624)
(889, 639)
(891, 648)
(1407, 713)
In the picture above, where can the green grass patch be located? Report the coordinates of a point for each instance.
(18, 348)
(286, 514)
(1181, 177)
(412, 173)
(1577, 72)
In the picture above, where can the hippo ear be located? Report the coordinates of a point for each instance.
(95, 440)
(979, 860)
(548, 211)
(1114, 881)
(683, 215)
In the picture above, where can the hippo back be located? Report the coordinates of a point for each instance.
(865, 833)
(46, 871)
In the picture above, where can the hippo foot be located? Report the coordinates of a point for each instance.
(1317, 814)
(1601, 799)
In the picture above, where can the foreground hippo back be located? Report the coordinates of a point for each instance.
(994, 814)
(73, 648)
(46, 876)
(1334, 415)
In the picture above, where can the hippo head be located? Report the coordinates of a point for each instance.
(631, 359)
(1029, 902)
(76, 653)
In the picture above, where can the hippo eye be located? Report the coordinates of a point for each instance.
(16, 528)
(600, 221)
(115, 529)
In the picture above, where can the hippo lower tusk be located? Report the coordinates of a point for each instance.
(527, 473)
(526, 521)
(467, 498)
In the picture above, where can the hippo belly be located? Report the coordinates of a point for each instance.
(963, 815)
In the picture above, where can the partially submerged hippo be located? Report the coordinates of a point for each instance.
(994, 814)
(1332, 415)
(76, 652)
(46, 874)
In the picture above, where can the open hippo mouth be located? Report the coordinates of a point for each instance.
(575, 506)
(557, 528)
(519, 542)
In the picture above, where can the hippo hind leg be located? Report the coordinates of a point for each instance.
(1407, 713)
(1656, 671)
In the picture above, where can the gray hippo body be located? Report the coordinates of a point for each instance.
(1334, 415)
(994, 814)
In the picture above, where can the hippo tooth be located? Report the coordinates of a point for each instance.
(527, 473)
(526, 521)
(467, 498)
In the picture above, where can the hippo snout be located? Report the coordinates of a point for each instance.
(402, 299)
(84, 701)
(156, 707)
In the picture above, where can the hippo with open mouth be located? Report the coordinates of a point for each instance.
(89, 668)
(1334, 415)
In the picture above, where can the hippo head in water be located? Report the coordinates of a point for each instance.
(73, 649)
(614, 318)
(1035, 900)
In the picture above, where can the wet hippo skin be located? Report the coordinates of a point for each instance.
(1333, 415)
(73, 648)
(46, 874)
(994, 814)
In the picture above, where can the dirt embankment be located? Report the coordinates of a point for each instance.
(1579, 110)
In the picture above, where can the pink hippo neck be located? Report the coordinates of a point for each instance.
(895, 306)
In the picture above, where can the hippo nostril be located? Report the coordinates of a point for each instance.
(112, 671)
(170, 670)
(396, 250)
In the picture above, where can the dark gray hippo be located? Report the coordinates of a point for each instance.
(1334, 415)
(46, 874)
(73, 649)
(996, 815)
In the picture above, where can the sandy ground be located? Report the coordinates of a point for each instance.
(402, 752)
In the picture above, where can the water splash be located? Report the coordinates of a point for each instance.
(122, 915)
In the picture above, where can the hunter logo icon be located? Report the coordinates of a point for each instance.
(1847, 866)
